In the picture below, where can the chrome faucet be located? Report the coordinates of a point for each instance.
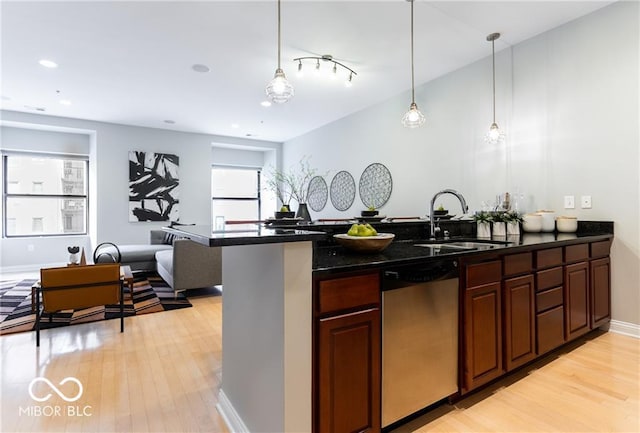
(432, 221)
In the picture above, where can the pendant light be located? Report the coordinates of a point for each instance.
(494, 135)
(412, 118)
(279, 90)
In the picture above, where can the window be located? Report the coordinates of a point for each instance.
(44, 194)
(236, 194)
(37, 225)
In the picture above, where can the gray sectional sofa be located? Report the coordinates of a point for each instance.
(181, 262)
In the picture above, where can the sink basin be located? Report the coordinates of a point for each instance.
(463, 244)
(480, 245)
(446, 245)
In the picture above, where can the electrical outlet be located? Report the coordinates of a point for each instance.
(569, 202)
(30, 248)
(585, 202)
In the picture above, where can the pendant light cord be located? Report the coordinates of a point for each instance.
(278, 34)
(493, 57)
(413, 96)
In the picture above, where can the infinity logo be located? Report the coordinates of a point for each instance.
(55, 389)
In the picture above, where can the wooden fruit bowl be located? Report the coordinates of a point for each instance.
(365, 244)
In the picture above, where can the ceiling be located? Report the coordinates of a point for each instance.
(131, 62)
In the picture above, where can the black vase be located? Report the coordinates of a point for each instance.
(303, 212)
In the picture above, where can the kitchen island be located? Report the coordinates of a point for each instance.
(266, 323)
(302, 318)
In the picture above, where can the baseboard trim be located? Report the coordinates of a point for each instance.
(229, 414)
(625, 328)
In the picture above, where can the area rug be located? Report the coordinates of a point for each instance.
(151, 294)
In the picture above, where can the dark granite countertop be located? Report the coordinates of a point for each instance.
(333, 259)
(328, 257)
(205, 235)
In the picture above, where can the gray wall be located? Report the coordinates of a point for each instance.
(568, 100)
(109, 146)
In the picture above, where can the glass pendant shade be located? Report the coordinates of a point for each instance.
(494, 135)
(413, 118)
(279, 90)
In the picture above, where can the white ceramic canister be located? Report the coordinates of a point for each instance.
(548, 220)
(567, 224)
(532, 223)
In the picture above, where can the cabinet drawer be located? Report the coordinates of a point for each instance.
(348, 292)
(548, 299)
(483, 273)
(515, 264)
(549, 278)
(576, 253)
(548, 258)
(600, 249)
(550, 329)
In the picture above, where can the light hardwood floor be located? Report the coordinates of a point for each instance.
(163, 375)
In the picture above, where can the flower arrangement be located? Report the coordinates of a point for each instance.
(293, 183)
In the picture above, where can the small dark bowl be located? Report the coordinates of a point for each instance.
(440, 212)
(369, 213)
(280, 215)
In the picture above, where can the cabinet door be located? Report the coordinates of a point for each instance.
(550, 329)
(600, 292)
(349, 373)
(519, 321)
(482, 335)
(576, 298)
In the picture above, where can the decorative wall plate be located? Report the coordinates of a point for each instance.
(317, 194)
(375, 186)
(343, 190)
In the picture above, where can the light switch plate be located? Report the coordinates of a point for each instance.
(569, 202)
(585, 202)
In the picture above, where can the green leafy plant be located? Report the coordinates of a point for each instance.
(482, 217)
(513, 217)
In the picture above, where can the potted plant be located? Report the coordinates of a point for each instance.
(513, 220)
(483, 223)
(293, 184)
(370, 212)
(440, 211)
(499, 224)
(276, 182)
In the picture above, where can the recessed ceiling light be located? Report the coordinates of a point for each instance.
(170, 122)
(200, 68)
(266, 103)
(235, 125)
(48, 63)
(65, 102)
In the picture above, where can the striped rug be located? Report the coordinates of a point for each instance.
(150, 294)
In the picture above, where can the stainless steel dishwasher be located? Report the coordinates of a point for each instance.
(419, 337)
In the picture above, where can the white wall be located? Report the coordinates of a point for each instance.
(568, 100)
(109, 180)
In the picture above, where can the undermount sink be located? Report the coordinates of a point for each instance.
(446, 245)
(476, 244)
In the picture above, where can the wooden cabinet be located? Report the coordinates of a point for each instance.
(519, 321)
(482, 341)
(600, 273)
(576, 300)
(347, 354)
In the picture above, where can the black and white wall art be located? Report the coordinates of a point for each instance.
(153, 186)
